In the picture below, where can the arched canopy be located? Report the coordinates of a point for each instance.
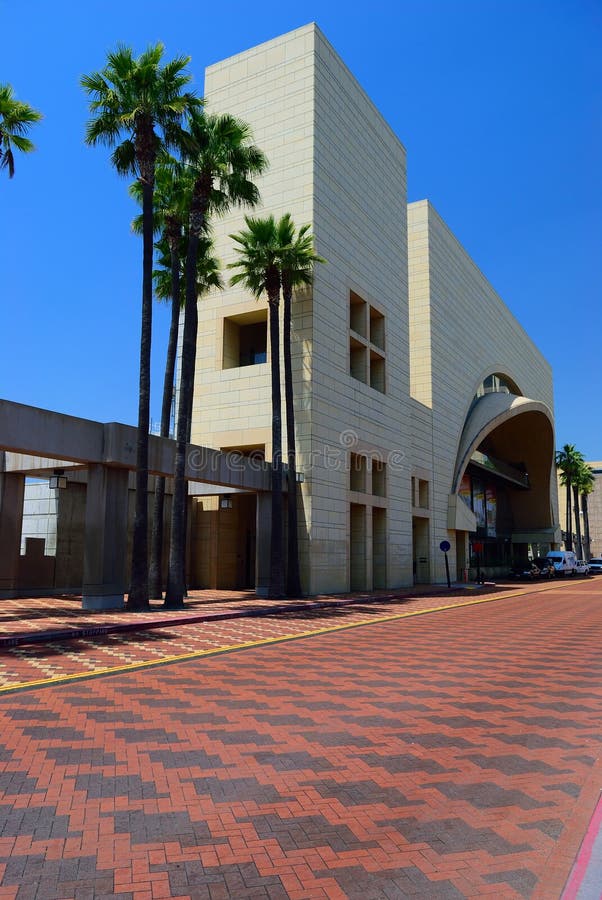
(515, 429)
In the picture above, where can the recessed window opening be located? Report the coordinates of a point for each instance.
(245, 341)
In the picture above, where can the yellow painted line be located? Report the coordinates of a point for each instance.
(262, 642)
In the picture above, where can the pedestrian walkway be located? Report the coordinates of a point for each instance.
(443, 756)
(62, 641)
(33, 619)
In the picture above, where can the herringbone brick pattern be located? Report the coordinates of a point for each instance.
(446, 756)
(182, 635)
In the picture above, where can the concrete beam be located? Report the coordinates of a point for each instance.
(40, 433)
(38, 466)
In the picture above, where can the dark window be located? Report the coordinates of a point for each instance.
(253, 344)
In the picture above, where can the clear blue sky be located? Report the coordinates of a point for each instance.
(498, 103)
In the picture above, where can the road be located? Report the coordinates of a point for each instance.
(448, 755)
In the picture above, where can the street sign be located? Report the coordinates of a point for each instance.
(445, 546)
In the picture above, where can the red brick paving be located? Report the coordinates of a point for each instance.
(450, 755)
(33, 617)
(171, 636)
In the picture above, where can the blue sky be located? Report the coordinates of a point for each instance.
(498, 103)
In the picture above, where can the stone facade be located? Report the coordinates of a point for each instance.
(389, 347)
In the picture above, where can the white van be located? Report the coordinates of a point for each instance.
(565, 561)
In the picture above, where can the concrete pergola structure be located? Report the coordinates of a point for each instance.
(36, 441)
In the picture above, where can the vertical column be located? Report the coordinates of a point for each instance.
(106, 538)
(12, 489)
(263, 544)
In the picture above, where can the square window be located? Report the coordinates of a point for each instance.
(245, 340)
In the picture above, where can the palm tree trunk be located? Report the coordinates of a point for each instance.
(138, 595)
(293, 577)
(569, 519)
(176, 584)
(155, 577)
(577, 521)
(276, 586)
(585, 507)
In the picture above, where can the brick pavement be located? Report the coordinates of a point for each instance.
(449, 755)
(29, 619)
(208, 624)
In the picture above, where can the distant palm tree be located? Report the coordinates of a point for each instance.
(139, 102)
(15, 121)
(586, 481)
(296, 262)
(568, 460)
(259, 248)
(217, 151)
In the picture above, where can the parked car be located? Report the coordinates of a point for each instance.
(582, 568)
(595, 566)
(564, 561)
(540, 567)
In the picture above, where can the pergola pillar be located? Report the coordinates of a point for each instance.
(12, 489)
(263, 543)
(105, 580)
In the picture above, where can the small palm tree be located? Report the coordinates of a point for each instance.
(15, 121)
(569, 460)
(259, 248)
(296, 261)
(586, 481)
(137, 107)
(218, 152)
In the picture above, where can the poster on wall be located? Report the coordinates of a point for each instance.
(478, 502)
(491, 511)
(465, 491)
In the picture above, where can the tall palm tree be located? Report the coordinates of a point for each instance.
(15, 120)
(171, 207)
(586, 482)
(259, 248)
(208, 278)
(137, 107)
(296, 261)
(568, 460)
(218, 151)
(576, 511)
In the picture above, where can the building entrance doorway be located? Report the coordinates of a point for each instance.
(224, 542)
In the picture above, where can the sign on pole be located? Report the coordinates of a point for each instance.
(445, 546)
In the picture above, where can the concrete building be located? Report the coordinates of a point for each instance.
(423, 409)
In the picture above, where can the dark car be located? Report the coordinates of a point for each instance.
(540, 567)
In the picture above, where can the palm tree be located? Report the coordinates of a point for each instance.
(586, 482)
(171, 206)
(259, 249)
(296, 270)
(15, 120)
(140, 103)
(568, 460)
(217, 151)
(208, 278)
(576, 511)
